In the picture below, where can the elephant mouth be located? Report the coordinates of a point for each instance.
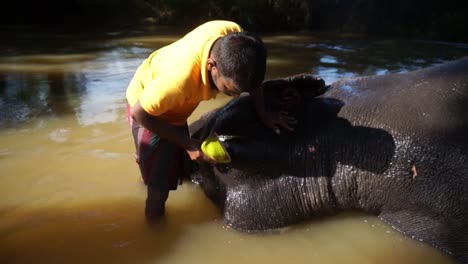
(224, 138)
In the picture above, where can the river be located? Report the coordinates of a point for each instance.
(70, 189)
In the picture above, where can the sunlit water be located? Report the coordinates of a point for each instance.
(70, 190)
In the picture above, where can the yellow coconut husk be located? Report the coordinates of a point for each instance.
(215, 150)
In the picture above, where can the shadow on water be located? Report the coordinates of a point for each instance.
(107, 231)
(28, 96)
(58, 99)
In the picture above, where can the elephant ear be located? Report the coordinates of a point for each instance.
(289, 93)
(307, 84)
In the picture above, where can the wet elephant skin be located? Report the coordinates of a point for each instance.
(394, 146)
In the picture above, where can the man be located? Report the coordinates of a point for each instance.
(217, 56)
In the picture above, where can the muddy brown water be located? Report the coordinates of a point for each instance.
(70, 190)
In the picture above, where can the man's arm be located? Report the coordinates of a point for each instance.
(169, 132)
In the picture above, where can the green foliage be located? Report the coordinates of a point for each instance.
(260, 14)
(438, 19)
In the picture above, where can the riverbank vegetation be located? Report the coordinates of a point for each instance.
(428, 19)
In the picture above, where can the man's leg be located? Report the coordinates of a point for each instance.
(162, 165)
(146, 148)
(150, 159)
(155, 202)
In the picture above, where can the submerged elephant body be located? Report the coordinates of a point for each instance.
(393, 146)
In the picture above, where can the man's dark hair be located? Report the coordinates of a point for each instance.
(241, 56)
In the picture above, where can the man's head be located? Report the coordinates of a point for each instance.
(237, 63)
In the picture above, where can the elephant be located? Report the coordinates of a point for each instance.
(394, 146)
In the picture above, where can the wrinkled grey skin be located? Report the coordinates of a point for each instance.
(394, 146)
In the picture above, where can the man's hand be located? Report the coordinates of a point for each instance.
(195, 152)
(277, 120)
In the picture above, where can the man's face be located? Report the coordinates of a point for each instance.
(223, 84)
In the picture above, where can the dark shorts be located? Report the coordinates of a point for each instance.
(162, 164)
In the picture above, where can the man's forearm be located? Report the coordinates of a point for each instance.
(161, 128)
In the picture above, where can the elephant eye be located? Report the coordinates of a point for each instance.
(223, 168)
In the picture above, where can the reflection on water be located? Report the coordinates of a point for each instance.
(71, 191)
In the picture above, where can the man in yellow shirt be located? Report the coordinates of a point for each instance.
(217, 56)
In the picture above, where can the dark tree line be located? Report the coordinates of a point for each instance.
(433, 19)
